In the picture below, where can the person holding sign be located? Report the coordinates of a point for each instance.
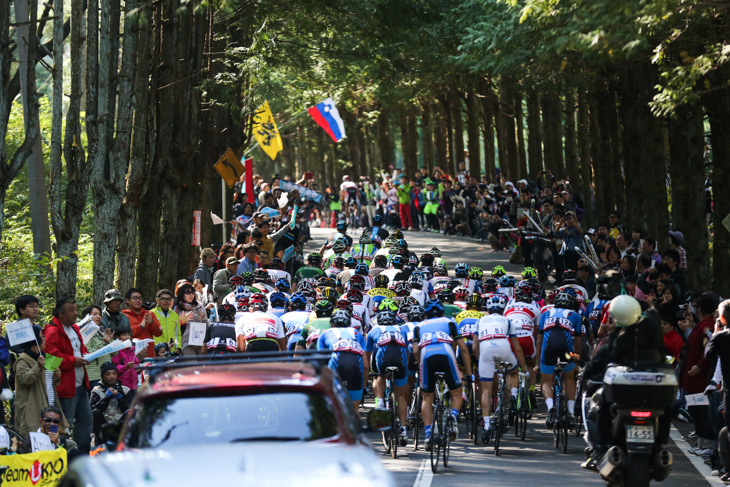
(30, 383)
(52, 425)
(63, 340)
(94, 338)
(144, 323)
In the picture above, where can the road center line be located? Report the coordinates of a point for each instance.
(425, 475)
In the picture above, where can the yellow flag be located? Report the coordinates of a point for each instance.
(265, 131)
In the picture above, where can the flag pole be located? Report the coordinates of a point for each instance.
(280, 128)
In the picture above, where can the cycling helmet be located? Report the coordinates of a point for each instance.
(282, 284)
(427, 260)
(314, 259)
(402, 244)
(344, 303)
(357, 282)
(323, 308)
(362, 270)
(524, 294)
(625, 310)
(389, 241)
(401, 288)
(440, 270)
(329, 293)
(461, 270)
(260, 275)
(338, 246)
(241, 291)
(476, 273)
(416, 280)
(461, 293)
(565, 300)
(381, 281)
(507, 281)
(398, 262)
(351, 262)
(536, 286)
(342, 226)
(235, 280)
(226, 312)
(498, 271)
(416, 313)
(569, 276)
(247, 278)
(341, 318)
(380, 261)
(496, 303)
(259, 301)
(529, 273)
(387, 318)
(394, 249)
(406, 302)
(277, 263)
(325, 281)
(397, 234)
(453, 284)
(338, 262)
(387, 304)
(435, 252)
(298, 302)
(365, 239)
(446, 295)
(278, 300)
(551, 296)
(412, 258)
(475, 301)
(377, 219)
(490, 285)
(306, 288)
(354, 296)
(433, 309)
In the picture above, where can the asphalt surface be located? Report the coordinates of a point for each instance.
(519, 463)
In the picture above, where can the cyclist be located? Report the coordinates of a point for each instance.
(446, 297)
(220, 336)
(282, 285)
(377, 233)
(397, 271)
(387, 304)
(461, 294)
(276, 270)
(507, 286)
(360, 308)
(559, 333)
(295, 319)
(498, 272)
(348, 346)
(440, 278)
(320, 321)
(312, 269)
(497, 343)
(364, 250)
(278, 303)
(339, 249)
(387, 346)
(336, 266)
(259, 331)
(417, 281)
(461, 272)
(434, 340)
(524, 314)
(475, 277)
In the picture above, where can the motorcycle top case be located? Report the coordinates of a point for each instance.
(653, 388)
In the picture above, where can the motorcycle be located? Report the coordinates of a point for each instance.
(638, 397)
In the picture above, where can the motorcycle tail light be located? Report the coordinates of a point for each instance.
(640, 414)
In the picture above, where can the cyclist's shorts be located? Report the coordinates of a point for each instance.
(262, 345)
(292, 340)
(555, 343)
(491, 353)
(391, 355)
(350, 368)
(528, 346)
(440, 361)
(459, 360)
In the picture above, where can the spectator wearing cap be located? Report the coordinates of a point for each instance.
(206, 268)
(676, 239)
(221, 284)
(112, 316)
(63, 340)
(256, 220)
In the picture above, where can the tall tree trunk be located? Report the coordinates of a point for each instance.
(605, 102)
(448, 164)
(472, 130)
(519, 122)
(616, 171)
(440, 135)
(428, 149)
(487, 97)
(584, 166)
(385, 139)
(506, 131)
(571, 143)
(552, 135)
(458, 117)
(601, 211)
(534, 133)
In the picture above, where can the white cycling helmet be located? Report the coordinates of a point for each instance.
(625, 310)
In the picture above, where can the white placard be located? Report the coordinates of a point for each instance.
(197, 333)
(114, 346)
(4, 438)
(141, 345)
(698, 399)
(88, 331)
(20, 332)
(41, 442)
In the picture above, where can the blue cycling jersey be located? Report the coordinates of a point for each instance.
(435, 335)
(342, 340)
(380, 336)
(594, 313)
(561, 319)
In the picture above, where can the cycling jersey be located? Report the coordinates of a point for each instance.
(332, 272)
(277, 274)
(220, 338)
(329, 260)
(278, 312)
(312, 330)
(258, 325)
(435, 337)
(377, 235)
(390, 344)
(506, 291)
(467, 323)
(367, 253)
(594, 313)
(558, 326)
(493, 332)
(347, 346)
(451, 310)
(439, 282)
(293, 322)
(524, 317)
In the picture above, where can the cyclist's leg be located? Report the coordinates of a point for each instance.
(378, 380)
(569, 384)
(486, 378)
(428, 383)
(397, 356)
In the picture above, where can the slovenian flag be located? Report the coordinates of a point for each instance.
(327, 116)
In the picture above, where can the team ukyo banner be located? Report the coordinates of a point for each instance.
(39, 469)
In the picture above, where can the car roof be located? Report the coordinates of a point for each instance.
(199, 377)
(306, 463)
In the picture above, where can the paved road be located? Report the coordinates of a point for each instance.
(519, 463)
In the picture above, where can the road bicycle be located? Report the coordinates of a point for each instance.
(472, 412)
(414, 420)
(500, 418)
(578, 410)
(391, 438)
(562, 420)
(440, 437)
(524, 407)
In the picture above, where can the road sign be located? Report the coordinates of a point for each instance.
(229, 167)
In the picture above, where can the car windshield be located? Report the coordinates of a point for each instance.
(272, 416)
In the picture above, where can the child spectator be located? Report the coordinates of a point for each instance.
(126, 360)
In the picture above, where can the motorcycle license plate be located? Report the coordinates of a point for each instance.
(639, 434)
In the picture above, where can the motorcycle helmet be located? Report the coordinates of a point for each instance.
(625, 310)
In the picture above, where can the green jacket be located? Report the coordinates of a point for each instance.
(170, 325)
(221, 286)
(404, 194)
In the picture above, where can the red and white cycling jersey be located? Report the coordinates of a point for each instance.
(524, 317)
(259, 325)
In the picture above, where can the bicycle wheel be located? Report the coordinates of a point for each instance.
(447, 444)
(476, 417)
(436, 433)
(500, 426)
(394, 430)
(416, 417)
(469, 412)
(563, 425)
(564, 438)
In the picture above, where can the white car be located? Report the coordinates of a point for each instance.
(263, 464)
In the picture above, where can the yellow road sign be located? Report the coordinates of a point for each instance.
(229, 167)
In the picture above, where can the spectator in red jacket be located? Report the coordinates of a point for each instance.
(143, 322)
(673, 341)
(64, 340)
